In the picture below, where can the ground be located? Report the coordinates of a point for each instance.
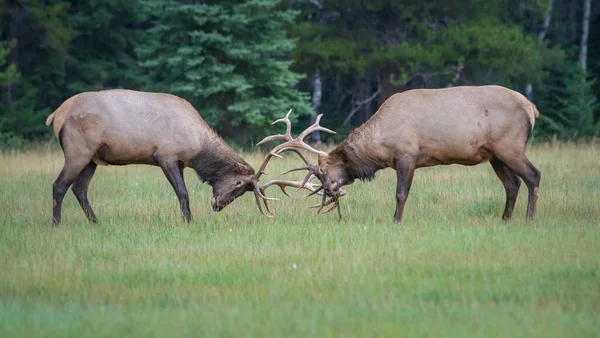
(452, 268)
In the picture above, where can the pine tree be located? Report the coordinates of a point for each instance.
(570, 115)
(227, 58)
(369, 50)
(8, 73)
(102, 53)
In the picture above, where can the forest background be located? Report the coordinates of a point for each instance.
(243, 64)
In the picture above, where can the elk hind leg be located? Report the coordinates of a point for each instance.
(405, 170)
(531, 175)
(80, 189)
(64, 180)
(511, 183)
(174, 173)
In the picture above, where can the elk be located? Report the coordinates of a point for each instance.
(419, 128)
(121, 127)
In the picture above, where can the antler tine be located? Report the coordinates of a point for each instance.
(322, 204)
(296, 169)
(288, 131)
(262, 191)
(299, 141)
(282, 184)
(257, 198)
(314, 127)
(315, 192)
(287, 138)
(286, 120)
(291, 144)
(331, 200)
(297, 151)
(336, 205)
(336, 202)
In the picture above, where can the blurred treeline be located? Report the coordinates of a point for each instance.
(243, 64)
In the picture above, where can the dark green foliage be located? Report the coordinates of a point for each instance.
(8, 73)
(229, 59)
(243, 64)
(401, 45)
(571, 114)
(102, 54)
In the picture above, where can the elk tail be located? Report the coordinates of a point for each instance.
(533, 114)
(50, 119)
(536, 113)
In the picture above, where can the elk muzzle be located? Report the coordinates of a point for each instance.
(215, 205)
(332, 189)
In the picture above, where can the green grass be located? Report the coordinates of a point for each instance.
(452, 268)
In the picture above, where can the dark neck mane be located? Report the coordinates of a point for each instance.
(218, 162)
(360, 163)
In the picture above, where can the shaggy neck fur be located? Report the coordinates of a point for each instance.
(354, 154)
(218, 162)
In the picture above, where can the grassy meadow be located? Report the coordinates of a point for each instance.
(451, 269)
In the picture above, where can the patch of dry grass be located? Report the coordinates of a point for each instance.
(453, 268)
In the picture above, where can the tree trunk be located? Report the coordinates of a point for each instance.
(387, 87)
(587, 4)
(226, 128)
(572, 20)
(541, 37)
(317, 87)
(366, 91)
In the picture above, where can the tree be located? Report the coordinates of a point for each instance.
(102, 52)
(366, 51)
(8, 72)
(541, 37)
(227, 58)
(40, 36)
(587, 4)
(572, 116)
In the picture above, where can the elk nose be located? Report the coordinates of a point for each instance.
(213, 204)
(331, 189)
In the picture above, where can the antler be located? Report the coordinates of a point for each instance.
(282, 184)
(333, 199)
(296, 145)
(290, 143)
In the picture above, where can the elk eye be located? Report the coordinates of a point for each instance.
(238, 182)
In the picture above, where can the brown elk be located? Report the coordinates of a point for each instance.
(121, 127)
(427, 127)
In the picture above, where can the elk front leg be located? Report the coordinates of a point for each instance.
(174, 174)
(405, 169)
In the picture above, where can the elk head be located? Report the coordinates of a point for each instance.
(231, 180)
(232, 185)
(331, 176)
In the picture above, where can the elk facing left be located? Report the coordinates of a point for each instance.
(121, 127)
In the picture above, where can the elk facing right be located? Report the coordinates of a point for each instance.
(465, 125)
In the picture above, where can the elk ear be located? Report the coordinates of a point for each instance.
(322, 159)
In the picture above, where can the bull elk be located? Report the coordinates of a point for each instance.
(428, 127)
(121, 127)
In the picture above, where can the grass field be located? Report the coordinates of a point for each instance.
(451, 269)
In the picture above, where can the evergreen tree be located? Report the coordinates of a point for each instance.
(227, 58)
(570, 115)
(369, 50)
(8, 73)
(102, 53)
(40, 35)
